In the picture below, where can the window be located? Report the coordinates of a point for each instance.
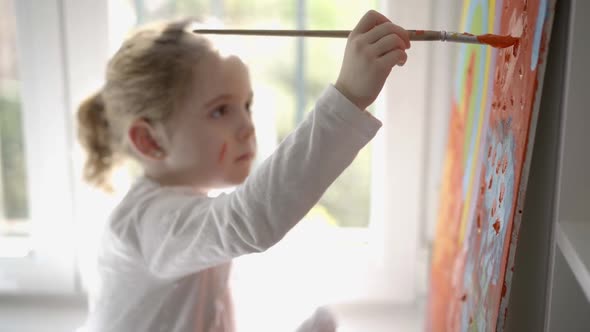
(14, 210)
(36, 211)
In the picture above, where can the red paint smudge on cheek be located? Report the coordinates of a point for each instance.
(222, 153)
(497, 41)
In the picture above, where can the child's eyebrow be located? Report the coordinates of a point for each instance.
(217, 100)
(223, 97)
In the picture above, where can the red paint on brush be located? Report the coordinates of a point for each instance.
(419, 32)
(467, 34)
(222, 153)
(497, 41)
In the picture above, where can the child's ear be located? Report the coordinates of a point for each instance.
(144, 139)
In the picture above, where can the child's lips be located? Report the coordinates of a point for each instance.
(245, 157)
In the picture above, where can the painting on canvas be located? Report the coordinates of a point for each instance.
(494, 109)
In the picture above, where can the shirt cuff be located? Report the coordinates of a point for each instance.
(335, 103)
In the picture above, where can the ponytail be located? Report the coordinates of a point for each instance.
(95, 137)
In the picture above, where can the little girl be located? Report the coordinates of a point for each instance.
(172, 102)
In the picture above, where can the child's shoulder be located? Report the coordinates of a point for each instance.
(148, 198)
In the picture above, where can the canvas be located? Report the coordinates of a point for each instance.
(491, 132)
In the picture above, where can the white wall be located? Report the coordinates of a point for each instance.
(417, 104)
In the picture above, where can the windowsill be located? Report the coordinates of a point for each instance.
(39, 313)
(379, 317)
(15, 246)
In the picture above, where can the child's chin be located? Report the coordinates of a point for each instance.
(236, 179)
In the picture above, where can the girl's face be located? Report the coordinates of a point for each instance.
(212, 141)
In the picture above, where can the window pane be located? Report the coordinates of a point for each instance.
(348, 199)
(13, 178)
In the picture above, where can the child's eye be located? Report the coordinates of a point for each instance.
(219, 112)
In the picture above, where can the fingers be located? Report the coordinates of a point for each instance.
(385, 29)
(393, 58)
(387, 44)
(369, 21)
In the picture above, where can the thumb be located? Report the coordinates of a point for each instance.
(371, 19)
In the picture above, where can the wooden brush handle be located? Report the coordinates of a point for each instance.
(415, 35)
(285, 33)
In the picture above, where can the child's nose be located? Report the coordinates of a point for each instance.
(246, 130)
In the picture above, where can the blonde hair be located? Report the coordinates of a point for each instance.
(146, 78)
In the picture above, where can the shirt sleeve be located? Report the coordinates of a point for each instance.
(181, 234)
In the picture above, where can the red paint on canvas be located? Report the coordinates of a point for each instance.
(497, 226)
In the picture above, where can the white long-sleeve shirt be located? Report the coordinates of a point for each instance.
(159, 238)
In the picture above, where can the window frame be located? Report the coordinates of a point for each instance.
(49, 268)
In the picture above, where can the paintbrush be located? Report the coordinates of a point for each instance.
(415, 35)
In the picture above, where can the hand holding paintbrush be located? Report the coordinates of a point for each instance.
(373, 48)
